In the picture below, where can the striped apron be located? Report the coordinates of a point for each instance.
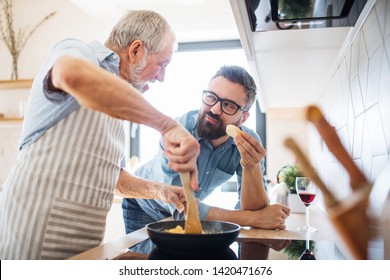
(55, 201)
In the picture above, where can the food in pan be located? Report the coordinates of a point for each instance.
(177, 229)
(232, 130)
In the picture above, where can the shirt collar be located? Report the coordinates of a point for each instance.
(102, 52)
(106, 57)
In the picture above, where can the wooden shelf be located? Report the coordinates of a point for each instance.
(11, 120)
(15, 84)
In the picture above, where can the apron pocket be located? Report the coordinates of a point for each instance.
(72, 228)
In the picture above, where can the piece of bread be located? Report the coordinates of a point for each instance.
(232, 130)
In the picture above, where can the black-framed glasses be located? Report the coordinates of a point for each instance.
(227, 106)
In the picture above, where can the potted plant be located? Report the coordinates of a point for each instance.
(287, 174)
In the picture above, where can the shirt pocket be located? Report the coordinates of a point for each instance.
(220, 177)
(72, 228)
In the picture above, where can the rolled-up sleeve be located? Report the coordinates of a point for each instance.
(68, 47)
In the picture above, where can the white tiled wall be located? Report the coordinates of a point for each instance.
(357, 103)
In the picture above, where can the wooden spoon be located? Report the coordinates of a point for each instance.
(192, 223)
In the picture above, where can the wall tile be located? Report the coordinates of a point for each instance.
(358, 137)
(384, 101)
(387, 19)
(387, 48)
(378, 164)
(346, 94)
(375, 131)
(363, 66)
(348, 61)
(380, 8)
(374, 73)
(355, 52)
(356, 97)
(344, 74)
(372, 33)
(350, 123)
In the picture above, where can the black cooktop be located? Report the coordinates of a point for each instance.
(258, 249)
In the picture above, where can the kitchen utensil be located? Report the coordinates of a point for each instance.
(333, 142)
(349, 217)
(192, 222)
(216, 236)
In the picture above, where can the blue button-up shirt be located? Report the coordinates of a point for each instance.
(215, 166)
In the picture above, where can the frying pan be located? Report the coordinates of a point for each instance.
(217, 236)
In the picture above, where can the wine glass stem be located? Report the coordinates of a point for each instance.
(307, 216)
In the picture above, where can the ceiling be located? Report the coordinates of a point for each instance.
(192, 20)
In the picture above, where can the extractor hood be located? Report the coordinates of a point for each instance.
(292, 65)
(267, 15)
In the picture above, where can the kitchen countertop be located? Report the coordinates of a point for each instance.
(318, 219)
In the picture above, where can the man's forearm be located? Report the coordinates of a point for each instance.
(253, 194)
(129, 186)
(102, 91)
(234, 216)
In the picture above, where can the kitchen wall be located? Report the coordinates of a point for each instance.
(283, 123)
(356, 102)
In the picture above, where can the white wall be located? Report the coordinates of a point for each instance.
(283, 123)
(69, 21)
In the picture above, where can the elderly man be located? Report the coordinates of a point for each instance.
(56, 198)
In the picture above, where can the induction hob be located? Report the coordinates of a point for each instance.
(257, 249)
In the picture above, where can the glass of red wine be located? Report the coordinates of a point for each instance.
(306, 191)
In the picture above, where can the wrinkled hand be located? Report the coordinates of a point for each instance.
(182, 150)
(271, 217)
(251, 151)
(174, 195)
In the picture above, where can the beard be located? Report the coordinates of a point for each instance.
(209, 131)
(135, 75)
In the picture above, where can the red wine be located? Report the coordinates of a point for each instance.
(307, 198)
